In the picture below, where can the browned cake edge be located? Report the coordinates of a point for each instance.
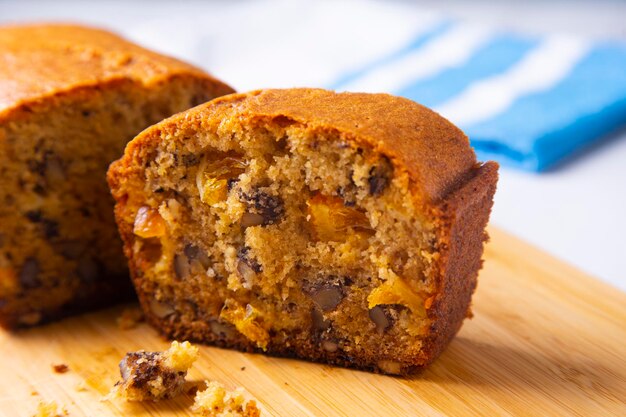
(464, 215)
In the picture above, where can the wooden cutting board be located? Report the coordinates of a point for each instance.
(546, 340)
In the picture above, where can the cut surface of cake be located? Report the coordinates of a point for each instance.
(342, 228)
(71, 97)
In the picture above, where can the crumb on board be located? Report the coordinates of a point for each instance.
(154, 375)
(180, 356)
(191, 391)
(243, 368)
(130, 318)
(217, 401)
(50, 409)
(81, 386)
(60, 368)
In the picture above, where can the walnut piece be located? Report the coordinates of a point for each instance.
(327, 298)
(384, 316)
(29, 274)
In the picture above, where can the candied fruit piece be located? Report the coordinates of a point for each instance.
(149, 223)
(244, 320)
(213, 177)
(331, 218)
(8, 281)
(397, 291)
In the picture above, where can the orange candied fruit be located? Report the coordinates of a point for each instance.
(245, 321)
(149, 223)
(212, 177)
(331, 218)
(397, 291)
(8, 281)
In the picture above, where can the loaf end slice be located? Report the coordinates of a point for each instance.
(71, 97)
(339, 228)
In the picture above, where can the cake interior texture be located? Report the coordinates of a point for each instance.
(271, 236)
(59, 247)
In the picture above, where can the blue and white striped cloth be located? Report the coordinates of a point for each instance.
(526, 101)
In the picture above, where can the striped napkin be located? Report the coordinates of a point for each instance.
(525, 101)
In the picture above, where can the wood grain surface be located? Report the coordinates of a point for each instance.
(546, 340)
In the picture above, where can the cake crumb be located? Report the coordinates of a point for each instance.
(60, 368)
(192, 390)
(154, 375)
(50, 409)
(216, 401)
(81, 386)
(180, 356)
(130, 318)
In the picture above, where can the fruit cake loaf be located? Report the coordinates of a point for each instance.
(341, 228)
(70, 99)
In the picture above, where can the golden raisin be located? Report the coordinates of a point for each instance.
(397, 291)
(245, 321)
(331, 219)
(8, 281)
(213, 176)
(149, 223)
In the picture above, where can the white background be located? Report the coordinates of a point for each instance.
(576, 211)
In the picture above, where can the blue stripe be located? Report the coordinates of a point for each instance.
(493, 58)
(416, 43)
(540, 129)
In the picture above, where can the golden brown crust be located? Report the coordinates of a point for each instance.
(40, 61)
(446, 181)
(436, 154)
